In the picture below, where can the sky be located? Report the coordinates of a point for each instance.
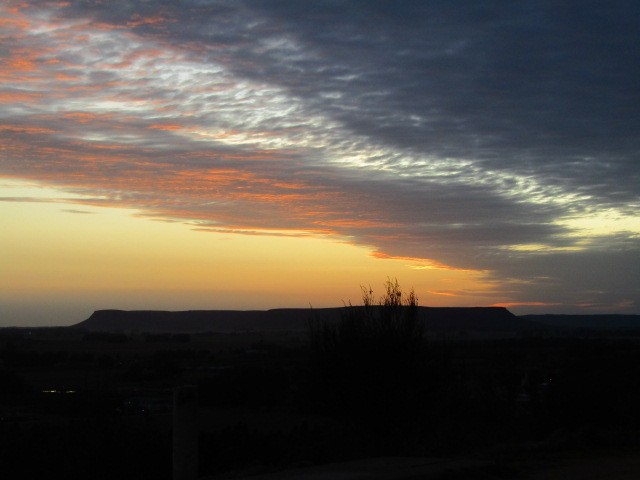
(260, 154)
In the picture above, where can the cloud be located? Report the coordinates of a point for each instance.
(467, 136)
(76, 211)
(25, 199)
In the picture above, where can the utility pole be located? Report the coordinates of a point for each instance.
(185, 433)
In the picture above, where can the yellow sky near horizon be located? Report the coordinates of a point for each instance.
(59, 248)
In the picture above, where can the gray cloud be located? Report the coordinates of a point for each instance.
(531, 89)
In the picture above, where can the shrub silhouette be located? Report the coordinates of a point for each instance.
(369, 367)
(390, 324)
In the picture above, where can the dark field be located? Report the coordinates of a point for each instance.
(80, 404)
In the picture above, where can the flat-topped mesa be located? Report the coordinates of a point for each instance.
(497, 319)
(490, 319)
(193, 321)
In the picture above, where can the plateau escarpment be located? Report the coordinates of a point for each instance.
(440, 319)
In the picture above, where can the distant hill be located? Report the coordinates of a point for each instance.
(480, 319)
(200, 320)
(590, 322)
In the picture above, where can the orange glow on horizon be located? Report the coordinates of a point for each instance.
(112, 250)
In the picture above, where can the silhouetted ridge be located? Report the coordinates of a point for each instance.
(192, 321)
(591, 322)
(472, 319)
(490, 319)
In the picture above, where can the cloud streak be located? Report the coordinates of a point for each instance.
(467, 137)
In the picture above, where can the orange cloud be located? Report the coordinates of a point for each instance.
(346, 223)
(166, 127)
(18, 97)
(138, 20)
(446, 293)
(21, 64)
(102, 165)
(26, 129)
(84, 117)
(267, 232)
(65, 77)
(12, 17)
(417, 263)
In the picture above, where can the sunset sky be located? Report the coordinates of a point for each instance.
(259, 154)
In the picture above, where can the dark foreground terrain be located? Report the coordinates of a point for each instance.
(77, 403)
